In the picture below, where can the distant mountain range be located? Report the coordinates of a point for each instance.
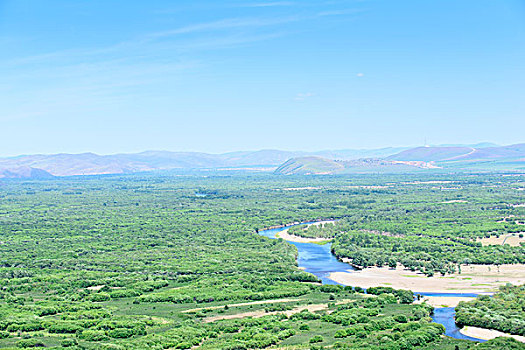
(93, 164)
(445, 158)
(401, 159)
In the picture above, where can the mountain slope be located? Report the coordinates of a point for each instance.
(432, 154)
(309, 166)
(266, 157)
(324, 166)
(504, 158)
(503, 152)
(24, 173)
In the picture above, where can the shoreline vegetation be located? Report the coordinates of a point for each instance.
(420, 237)
(474, 279)
(293, 238)
(310, 222)
(503, 313)
(479, 279)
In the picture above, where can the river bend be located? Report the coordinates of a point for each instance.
(319, 261)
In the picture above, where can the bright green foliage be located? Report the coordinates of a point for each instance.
(422, 229)
(505, 311)
(502, 343)
(143, 262)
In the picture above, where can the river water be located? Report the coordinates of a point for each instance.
(319, 260)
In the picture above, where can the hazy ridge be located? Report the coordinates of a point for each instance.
(393, 159)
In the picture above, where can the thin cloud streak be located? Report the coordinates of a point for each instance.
(340, 12)
(303, 96)
(230, 23)
(224, 24)
(269, 4)
(80, 78)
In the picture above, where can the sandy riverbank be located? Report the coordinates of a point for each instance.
(473, 279)
(443, 301)
(487, 334)
(292, 238)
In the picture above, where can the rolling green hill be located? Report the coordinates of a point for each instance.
(324, 166)
(309, 166)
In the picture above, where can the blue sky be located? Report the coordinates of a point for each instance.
(217, 76)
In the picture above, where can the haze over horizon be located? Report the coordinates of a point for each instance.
(477, 144)
(247, 75)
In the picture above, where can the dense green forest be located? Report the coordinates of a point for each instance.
(167, 262)
(505, 311)
(428, 234)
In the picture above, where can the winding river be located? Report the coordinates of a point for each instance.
(319, 260)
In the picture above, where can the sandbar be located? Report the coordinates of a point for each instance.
(487, 334)
(443, 301)
(473, 279)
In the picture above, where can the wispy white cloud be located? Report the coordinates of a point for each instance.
(80, 78)
(343, 12)
(229, 23)
(269, 4)
(83, 87)
(234, 23)
(303, 95)
(139, 42)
